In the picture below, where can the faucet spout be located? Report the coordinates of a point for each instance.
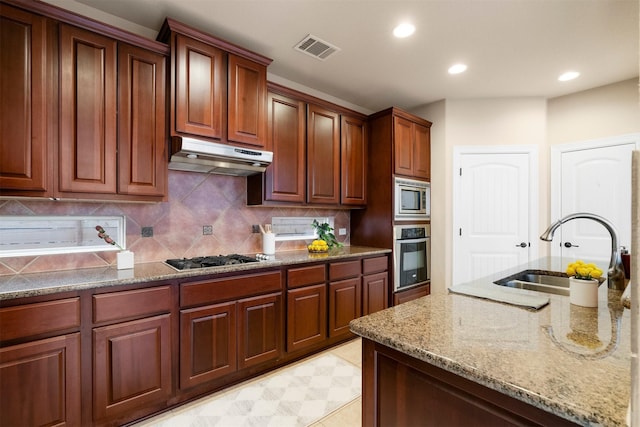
(615, 274)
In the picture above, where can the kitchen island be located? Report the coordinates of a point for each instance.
(444, 358)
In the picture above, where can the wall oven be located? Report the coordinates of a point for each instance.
(412, 255)
(412, 199)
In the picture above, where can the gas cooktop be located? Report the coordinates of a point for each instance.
(209, 261)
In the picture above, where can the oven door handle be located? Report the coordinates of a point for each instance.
(420, 240)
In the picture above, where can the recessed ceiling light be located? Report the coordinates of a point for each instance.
(457, 69)
(569, 75)
(404, 30)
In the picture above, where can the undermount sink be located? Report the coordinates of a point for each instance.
(541, 281)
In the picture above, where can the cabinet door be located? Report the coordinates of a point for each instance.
(375, 291)
(403, 146)
(411, 294)
(142, 133)
(306, 316)
(285, 177)
(200, 88)
(131, 368)
(323, 156)
(260, 326)
(344, 305)
(207, 343)
(353, 162)
(23, 113)
(87, 157)
(247, 110)
(40, 382)
(421, 152)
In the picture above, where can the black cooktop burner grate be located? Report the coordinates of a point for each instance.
(209, 261)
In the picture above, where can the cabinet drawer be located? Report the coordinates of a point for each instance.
(304, 276)
(374, 265)
(228, 288)
(40, 318)
(128, 304)
(344, 270)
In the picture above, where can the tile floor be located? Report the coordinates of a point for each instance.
(224, 408)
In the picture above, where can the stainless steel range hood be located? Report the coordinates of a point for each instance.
(194, 155)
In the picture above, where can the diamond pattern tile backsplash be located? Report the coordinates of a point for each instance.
(195, 200)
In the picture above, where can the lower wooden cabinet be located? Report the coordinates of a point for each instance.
(344, 305)
(131, 367)
(260, 325)
(411, 294)
(306, 316)
(207, 343)
(40, 382)
(375, 291)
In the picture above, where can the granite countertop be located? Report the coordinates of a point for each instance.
(565, 359)
(35, 284)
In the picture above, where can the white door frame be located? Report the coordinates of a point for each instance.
(532, 152)
(556, 165)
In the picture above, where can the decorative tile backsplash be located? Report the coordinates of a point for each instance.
(195, 200)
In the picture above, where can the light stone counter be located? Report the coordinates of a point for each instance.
(34, 284)
(567, 360)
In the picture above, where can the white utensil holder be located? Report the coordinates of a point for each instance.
(269, 243)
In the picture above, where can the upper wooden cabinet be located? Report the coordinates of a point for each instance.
(218, 90)
(319, 153)
(412, 147)
(95, 126)
(323, 155)
(23, 104)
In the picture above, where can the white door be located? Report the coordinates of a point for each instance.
(493, 197)
(595, 177)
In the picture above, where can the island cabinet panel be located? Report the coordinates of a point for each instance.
(306, 316)
(323, 156)
(88, 112)
(40, 382)
(207, 343)
(200, 88)
(247, 101)
(23, 106)
(142, 129)
(401, 390)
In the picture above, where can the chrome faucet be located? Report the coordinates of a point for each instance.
(615, 275)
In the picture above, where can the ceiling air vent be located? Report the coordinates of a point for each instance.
(314, 46)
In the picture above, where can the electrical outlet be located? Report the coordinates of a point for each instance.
(255, 228)
(207, 230)
(147, 232)
(342, 232)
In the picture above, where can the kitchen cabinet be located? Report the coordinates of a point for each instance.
(353, 164)
(375, 284)
(433, 396)
(132, 353)
(24, 125)
(412, 147)
(95, 126)
(112, 117)
(306, 306)
(218, 90)
(411, 294)
(320, 153)
(40, 363)
(229, 324)
(345, 295)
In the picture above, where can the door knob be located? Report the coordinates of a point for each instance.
(522, 245)
(570, 245)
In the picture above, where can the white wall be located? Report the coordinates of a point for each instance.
(597, 113)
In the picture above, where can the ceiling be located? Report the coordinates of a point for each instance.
(513, 48)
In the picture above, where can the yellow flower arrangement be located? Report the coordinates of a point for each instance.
(583, 271)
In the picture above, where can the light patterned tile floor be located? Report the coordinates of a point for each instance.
(323, 390)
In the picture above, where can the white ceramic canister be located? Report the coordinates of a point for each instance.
(583, 292)
(269, 243)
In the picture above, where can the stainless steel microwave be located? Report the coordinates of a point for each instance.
(412, 199)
